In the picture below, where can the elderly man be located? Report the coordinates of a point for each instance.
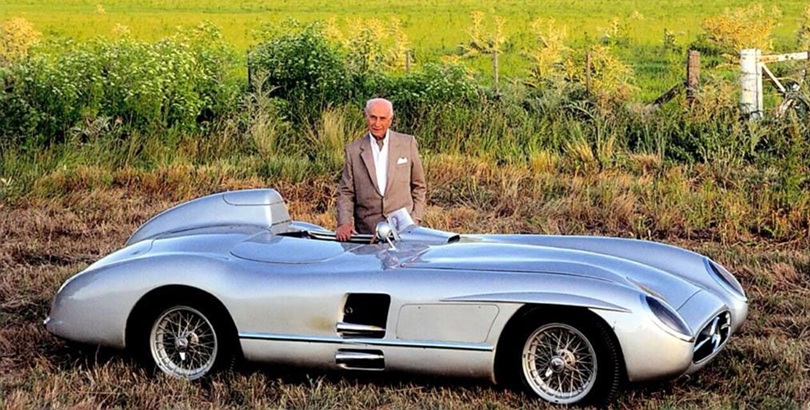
(381, 174)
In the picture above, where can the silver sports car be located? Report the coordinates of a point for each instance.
(569, 318)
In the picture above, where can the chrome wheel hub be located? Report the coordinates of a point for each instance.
(184, 342)
(557, 364)
(561, 360)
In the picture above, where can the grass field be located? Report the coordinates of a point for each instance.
(430, 24)
(434, 28)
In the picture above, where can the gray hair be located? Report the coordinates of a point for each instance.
(373, 101)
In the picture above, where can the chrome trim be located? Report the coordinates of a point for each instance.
(342, 327)
(546, 298)
(478, 347)
(330, 236)
(358, 356)
(360, 360)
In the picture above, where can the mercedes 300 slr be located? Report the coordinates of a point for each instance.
(569, 318)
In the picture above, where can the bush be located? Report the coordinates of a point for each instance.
(737, 29)
(304, 69)
(17, 36)
(434, 87)
(176, 83)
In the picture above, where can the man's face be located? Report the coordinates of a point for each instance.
(378, 118)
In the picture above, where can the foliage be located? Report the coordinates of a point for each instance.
(303, 68)
(125, 102)
(594, 71)
(177, 83)
(312, 73)
(433, 87)
(737, 29)
(547, 59)
(617, 33)
(607, 78)
(669, 41)
(481, 41)
(17, 36)
(372, 45)
(327, 140)
(803, 33)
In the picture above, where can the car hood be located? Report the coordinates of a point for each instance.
(532, 259)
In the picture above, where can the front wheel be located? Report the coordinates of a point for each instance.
(186, 342)
(571, 361)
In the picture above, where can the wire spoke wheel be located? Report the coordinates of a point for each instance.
(183, 343)
(559, 363)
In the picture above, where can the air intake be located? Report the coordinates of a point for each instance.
(712, 337)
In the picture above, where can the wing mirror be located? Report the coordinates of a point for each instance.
(386, 233)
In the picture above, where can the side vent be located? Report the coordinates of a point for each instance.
(364, 316)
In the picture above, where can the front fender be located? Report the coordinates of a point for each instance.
(115, 290)
(642, 341)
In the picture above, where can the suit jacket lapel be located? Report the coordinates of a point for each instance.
(394, 152)
(368, 161)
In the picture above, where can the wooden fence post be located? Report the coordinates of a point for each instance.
(249, 72)
(692, 75)
(588, 73)
(407, 61)
(495, 69)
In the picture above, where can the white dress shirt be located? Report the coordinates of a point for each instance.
(380, 160)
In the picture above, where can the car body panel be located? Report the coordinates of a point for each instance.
(434, 302)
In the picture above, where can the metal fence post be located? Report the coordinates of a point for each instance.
(751, 82)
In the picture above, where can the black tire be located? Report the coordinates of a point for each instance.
(569, 358)
(185, 339)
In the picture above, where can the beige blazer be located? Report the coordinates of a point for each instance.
(359, 198)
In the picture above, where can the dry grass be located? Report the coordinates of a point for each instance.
(75, 217)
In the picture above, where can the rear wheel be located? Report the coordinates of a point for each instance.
(186, 339)
(184, 343)
(570, 361)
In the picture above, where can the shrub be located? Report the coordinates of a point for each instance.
(375, 46)
(17, 36)
(611, 80)
(175, 83)
(434, 86)
(481, 41)
(737, 29)
(547, 59)
(305, 69)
